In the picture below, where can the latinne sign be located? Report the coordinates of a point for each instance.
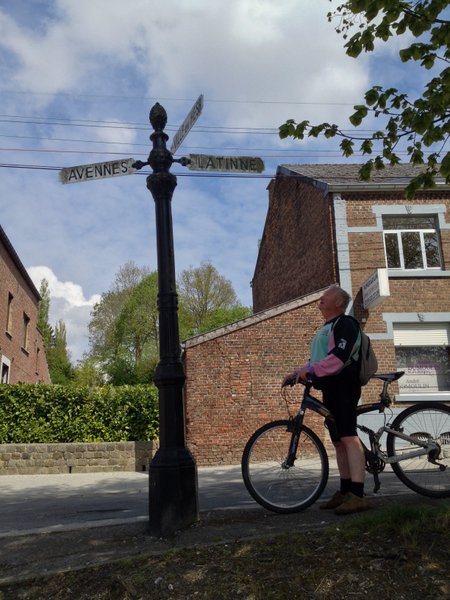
(240, 164)
(114, 168)
(376, 288)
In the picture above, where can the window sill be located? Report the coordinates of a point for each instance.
(430, 273)
(25, 351)
(424, 397)
(8, 335)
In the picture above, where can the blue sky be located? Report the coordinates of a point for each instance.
(77, 81)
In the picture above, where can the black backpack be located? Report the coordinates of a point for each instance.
(368, 363)
(367, 360)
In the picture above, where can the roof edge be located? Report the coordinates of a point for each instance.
(355, 186)
(253, 319)
(15, 257)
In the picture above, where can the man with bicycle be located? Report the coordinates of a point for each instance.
(332, 367)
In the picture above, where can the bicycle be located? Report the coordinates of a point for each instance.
(285, 465)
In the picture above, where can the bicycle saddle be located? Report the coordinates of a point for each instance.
(389, 376)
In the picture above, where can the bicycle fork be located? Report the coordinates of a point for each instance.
(293, 445)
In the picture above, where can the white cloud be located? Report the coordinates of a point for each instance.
(252, 50)
(72, 292)
(67, 303)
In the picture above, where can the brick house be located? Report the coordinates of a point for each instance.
(22, 354)
(324, 226)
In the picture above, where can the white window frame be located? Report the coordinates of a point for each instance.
(421, 232)
(380, 210)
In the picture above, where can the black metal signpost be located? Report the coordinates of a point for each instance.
(173, 497)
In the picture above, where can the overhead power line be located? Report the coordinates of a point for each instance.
(168, 99)
(274, 153)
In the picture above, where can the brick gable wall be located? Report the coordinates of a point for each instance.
(28, 365)
(296, 252)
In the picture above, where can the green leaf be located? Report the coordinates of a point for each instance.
(365, 170)
(416, 157)
(357, 117)
(354, 48)
(444, 168)
(330, 131)
(372, 96)
(422, 121)
(315, 131)
(366, 147)
(378, 163)
(428, 61)
(283, 131)
(347, 147)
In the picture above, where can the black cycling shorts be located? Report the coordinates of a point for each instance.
(341, 399)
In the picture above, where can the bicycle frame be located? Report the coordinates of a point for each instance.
(309, 402)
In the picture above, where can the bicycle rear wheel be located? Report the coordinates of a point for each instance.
(268, 478)
(426, 422)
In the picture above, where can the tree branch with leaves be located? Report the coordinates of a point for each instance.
(422, 123)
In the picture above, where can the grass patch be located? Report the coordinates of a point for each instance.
(400, 553)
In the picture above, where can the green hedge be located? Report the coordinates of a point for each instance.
(59, 413)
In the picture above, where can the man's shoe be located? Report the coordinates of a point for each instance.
(336, 500)
(352, 504)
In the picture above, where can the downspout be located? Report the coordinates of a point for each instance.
(342, 246)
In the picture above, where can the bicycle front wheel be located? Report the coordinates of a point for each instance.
(277, 481)
(428, 474)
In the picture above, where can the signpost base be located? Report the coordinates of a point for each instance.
(173, 493)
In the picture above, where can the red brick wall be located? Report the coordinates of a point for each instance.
(296, 253)
(28, 365)
(233, 381)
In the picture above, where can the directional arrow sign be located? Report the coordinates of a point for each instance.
(114, 168)
(240, 164)
(187, 124)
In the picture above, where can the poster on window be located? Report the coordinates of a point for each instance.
(427, 369)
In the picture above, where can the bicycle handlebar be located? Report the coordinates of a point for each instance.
(291, 381)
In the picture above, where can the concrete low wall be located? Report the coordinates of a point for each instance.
(22, 459)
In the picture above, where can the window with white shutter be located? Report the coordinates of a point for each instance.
(423, 352)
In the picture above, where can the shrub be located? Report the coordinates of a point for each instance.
(68, 413)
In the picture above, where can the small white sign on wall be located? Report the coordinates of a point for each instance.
(376, 288)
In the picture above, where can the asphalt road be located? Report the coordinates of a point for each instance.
(46, 503)
(38, 503)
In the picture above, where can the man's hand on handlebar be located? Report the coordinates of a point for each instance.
(301, 375)
(289, 380)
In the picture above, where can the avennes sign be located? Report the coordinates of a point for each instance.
(376, 288)
(187, 124)
(239, 164)
(114, 168)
